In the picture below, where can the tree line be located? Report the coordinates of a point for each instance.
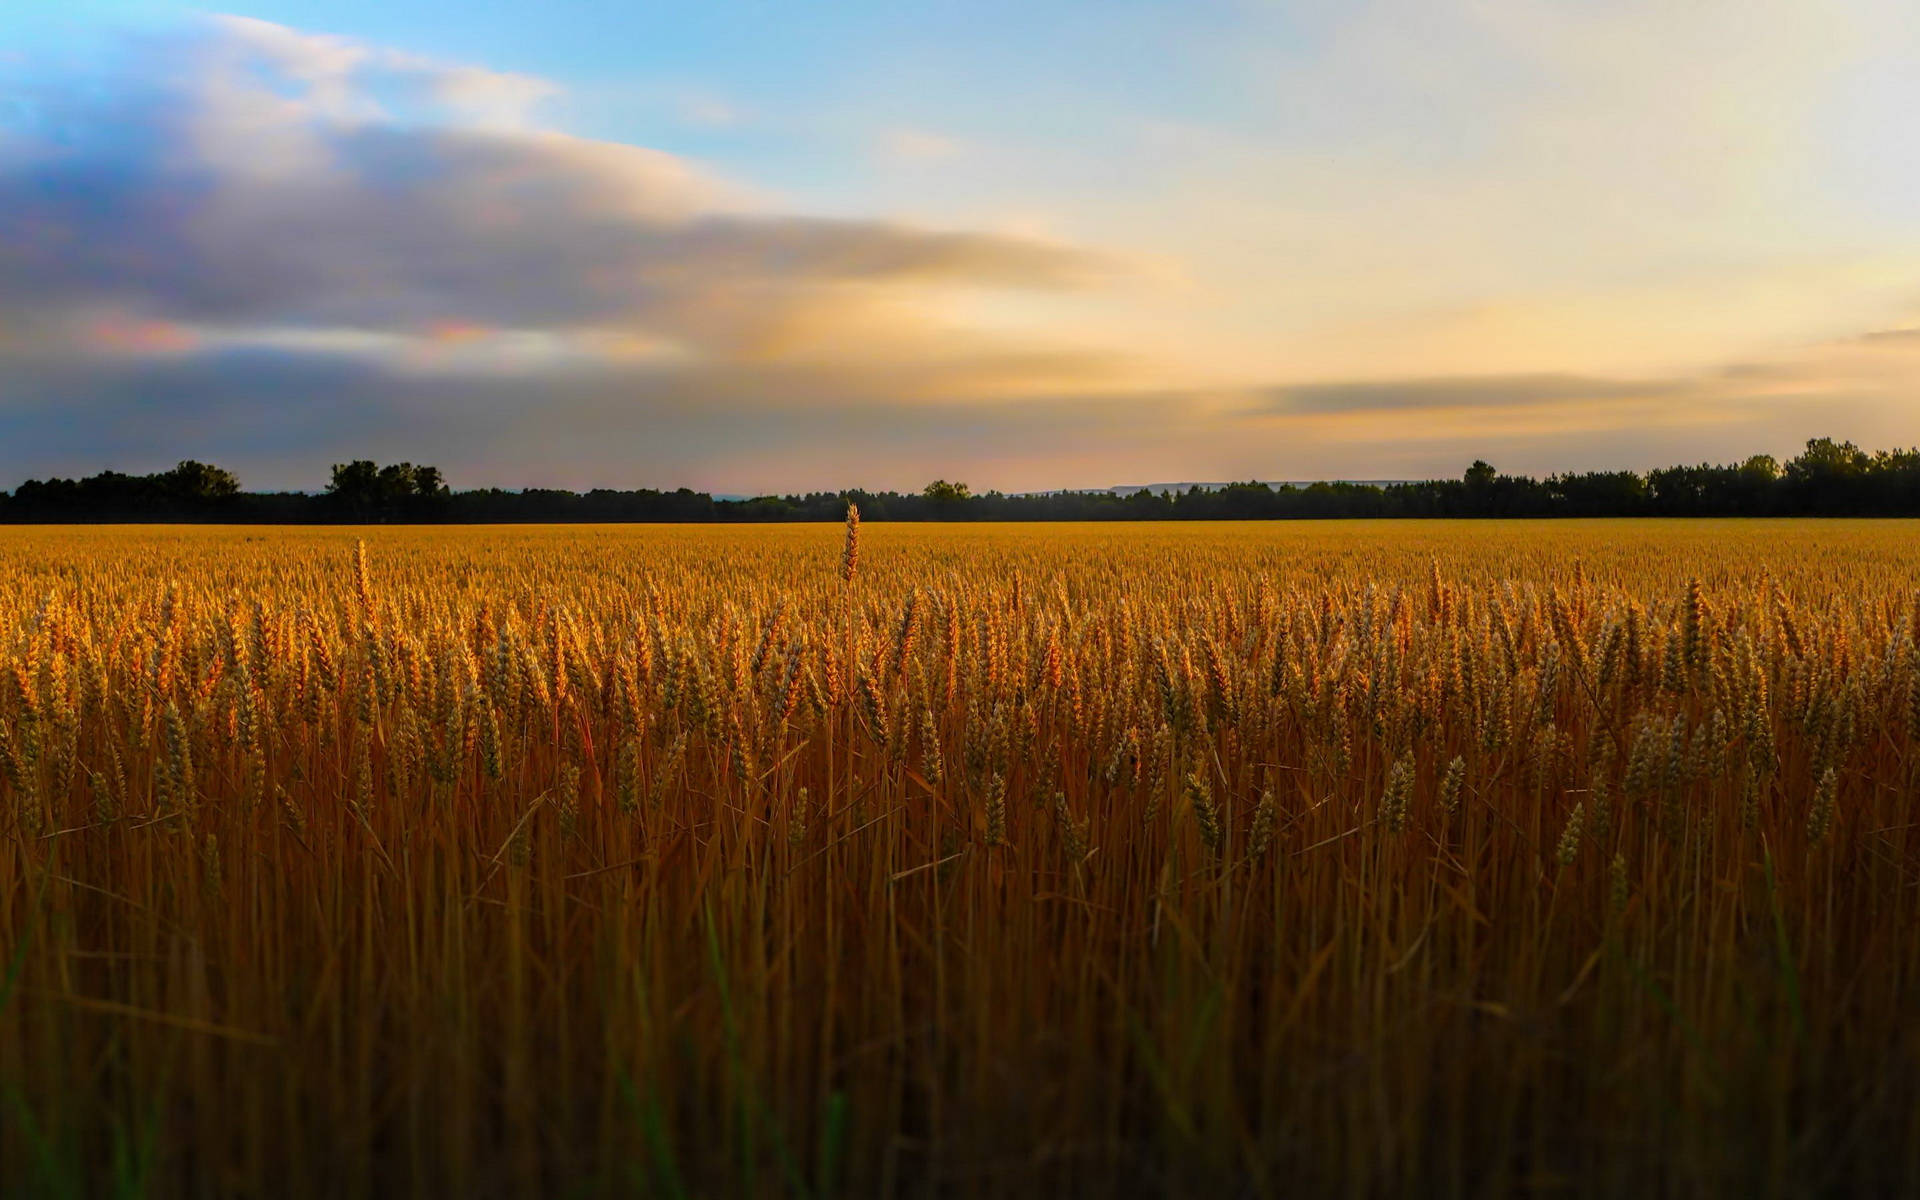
(1829, 478)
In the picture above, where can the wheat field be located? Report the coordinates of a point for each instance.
(1284, 859)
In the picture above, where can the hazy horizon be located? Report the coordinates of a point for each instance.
(758, 249)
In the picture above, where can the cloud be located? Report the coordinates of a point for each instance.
(1891, 337)
(1506, 186)
(1455, 393)
(280, 413)
(260, 183)
(1857, 387)
(333, 72)
(512, 411)
(268, 247)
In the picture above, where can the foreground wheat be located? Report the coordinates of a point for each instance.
(1332, 859)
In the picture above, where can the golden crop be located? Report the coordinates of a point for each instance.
(1278, 859)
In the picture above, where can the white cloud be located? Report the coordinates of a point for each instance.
(272, 185)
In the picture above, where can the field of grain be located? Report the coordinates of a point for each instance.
(1282, 859)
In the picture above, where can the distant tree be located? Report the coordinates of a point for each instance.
(1829, 477)
(1825, 458)
(396, 482)
(355, 480)
(363, 489)
(197, 481)
(1480, 479)
(946, 498)
(1598, 493)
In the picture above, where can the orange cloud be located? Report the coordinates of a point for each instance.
(455, 333)
(122, 334)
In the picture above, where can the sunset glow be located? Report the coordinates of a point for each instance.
(1100, 245)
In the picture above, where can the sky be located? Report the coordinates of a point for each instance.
(783, 247)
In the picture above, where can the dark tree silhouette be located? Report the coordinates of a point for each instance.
(196, 482)
(1828, 478)
(363, 491)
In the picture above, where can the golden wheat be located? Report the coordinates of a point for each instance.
(1329, 857)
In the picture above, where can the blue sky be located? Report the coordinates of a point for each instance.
(758, 246)
(795, 94)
